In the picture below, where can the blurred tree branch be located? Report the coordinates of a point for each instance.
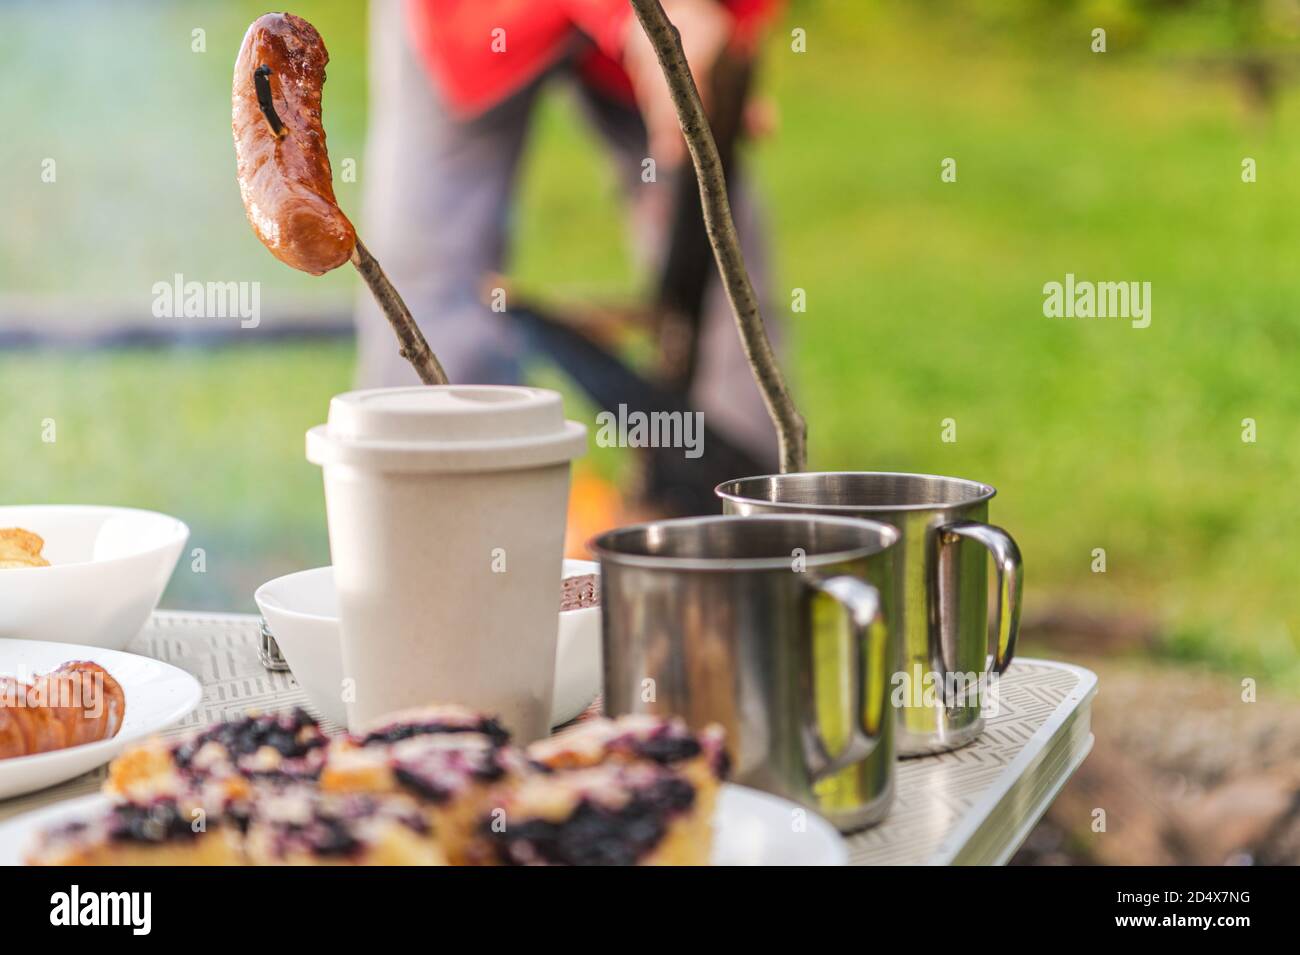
(721, 228)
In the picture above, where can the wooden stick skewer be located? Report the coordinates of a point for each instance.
(791, 430)
(414, 348)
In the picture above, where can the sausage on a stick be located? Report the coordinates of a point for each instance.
(284, 169)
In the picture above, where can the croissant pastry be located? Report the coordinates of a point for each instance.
(78, 703)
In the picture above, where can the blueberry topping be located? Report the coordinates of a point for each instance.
(283, 732)
(420, 784)
(334, 828)
(594, 834)
(722, 763)
(486, 725)
(239, 816)
(666, 748)
(157, 822)
(439, 774)
(332, 837)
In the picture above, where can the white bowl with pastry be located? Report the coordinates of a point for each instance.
(92, 575)
(66, 709)
(301, 610)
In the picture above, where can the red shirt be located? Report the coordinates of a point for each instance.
(478, 52)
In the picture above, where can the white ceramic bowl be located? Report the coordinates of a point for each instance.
(302, 611)
(108, 568)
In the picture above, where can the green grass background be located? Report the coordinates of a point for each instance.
(924, 298)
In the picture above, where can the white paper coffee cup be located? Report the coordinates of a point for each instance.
(446, 509)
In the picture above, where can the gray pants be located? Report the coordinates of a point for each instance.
(438, 193)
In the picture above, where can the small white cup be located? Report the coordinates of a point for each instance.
(446, 509)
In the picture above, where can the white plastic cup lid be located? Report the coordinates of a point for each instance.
(447, 427)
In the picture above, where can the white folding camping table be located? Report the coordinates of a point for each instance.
(973, 806)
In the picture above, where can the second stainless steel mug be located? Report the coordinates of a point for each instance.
(942, 579)
(734, 620)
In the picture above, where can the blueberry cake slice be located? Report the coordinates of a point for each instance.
(449, 773)
(615, 813)
(277, 748)
(300, 825)
(642, 737)
(293, 825)
(431, 786)
(166, 830)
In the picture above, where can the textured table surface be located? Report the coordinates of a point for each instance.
(975, 805)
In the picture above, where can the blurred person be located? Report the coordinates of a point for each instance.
(453, 85)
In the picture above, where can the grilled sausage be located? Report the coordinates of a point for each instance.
(283, 166)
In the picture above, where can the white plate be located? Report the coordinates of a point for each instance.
(757, 828)
(302, 611)
(157, 695)
(108, 567)
(750, 828)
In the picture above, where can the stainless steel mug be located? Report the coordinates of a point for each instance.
(738, 621)
(943, 579)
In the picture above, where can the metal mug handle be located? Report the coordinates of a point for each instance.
(1010, 582)
(870, 640)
